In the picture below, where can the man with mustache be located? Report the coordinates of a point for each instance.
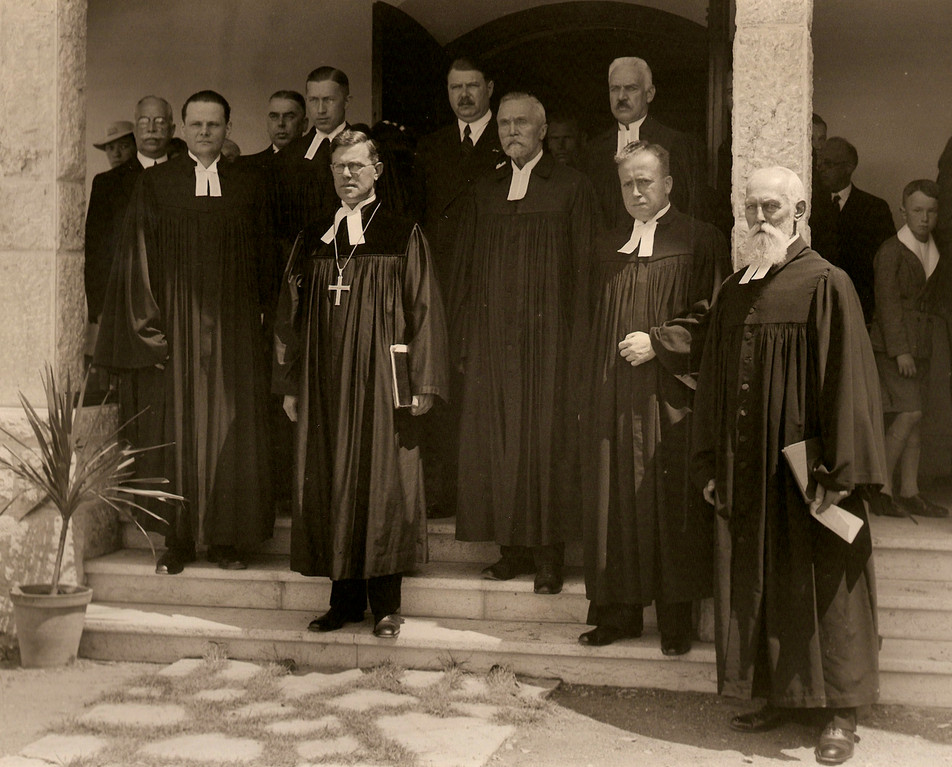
(525, 251)
(630, 91)
(448, 162)
(787, 358)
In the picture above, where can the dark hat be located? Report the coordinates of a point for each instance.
(114, 131)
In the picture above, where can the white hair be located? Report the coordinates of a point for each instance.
(792, 185)
(640, 66)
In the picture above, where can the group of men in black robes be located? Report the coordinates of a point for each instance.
(577, 350)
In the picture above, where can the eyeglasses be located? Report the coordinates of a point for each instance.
(352, 167)
(160, 123)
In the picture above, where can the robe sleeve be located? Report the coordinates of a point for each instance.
(706, 410)
(678, 342)
(289, 322)
(850, 414)
(426, 325)
(132, 333)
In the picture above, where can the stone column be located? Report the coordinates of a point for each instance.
(42, 205)
(773, 92)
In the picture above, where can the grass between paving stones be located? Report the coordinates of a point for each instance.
(438, 699)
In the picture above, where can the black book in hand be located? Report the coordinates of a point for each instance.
(400, 365)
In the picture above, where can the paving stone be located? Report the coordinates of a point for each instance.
(531, 691)
(362, 700)
(239, 671)
(479, 710)
(299, 686)
(142, 692)
(182, 667)
(210, 747)
(134, 714)
(471, 687)
(22, 761)
(461, 741)
(318, 749)
(419, 679)
(264, 708)
(220, 694)
(63, 749)
(303, 726)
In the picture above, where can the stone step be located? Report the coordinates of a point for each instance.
(908, 609)
(911, 671)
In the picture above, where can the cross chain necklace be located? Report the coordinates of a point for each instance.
(339, 287)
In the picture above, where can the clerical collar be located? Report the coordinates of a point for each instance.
(319, 139)
(758, 272)
(274, 149)
(643, 233)
(519, 184)
(355, 224)
(843, 194)
(629, 133)
(148, 162)
(926, 252)
(476, 127)
(207, 183)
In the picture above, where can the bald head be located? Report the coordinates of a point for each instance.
(630, 89)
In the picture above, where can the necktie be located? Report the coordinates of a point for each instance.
(836, 202)
(466, 145)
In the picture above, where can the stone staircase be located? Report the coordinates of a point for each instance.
(453, 616)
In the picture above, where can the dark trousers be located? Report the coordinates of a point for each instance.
(675, 619)
(353, 594)
(552, 554)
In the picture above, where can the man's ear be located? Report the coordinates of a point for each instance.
(800, 209)
(227, 129)
(489, 88)
(378, 170)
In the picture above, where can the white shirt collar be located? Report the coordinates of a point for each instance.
(629, 133)
(274, 149)
(207, 183)
(843, 194)
(926, 252)
(519, 184)
(476, 127)
(319, 138)
(355, 224)
(643, 232)
(148, 162)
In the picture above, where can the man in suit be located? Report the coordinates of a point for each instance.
(306, 187)
(631, 90)
(287, 121)
(848, 224)
(448, 162)
(109, 198)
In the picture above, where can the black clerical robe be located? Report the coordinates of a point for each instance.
(183, 310)
(646, 527)
(359, 509)
(787, 358)
(304, 189)
(523, 287)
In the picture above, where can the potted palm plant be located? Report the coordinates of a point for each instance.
(68, 471)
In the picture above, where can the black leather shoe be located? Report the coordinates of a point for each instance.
(920, 507)
(834, 745)
(388, 627)
(675, 646)
(548, 579)
(604, 635)
(506, 569)
(173, 561)
(333, 620)
(766, 718)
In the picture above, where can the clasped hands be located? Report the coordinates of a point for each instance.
(636, 348)
(419, 404)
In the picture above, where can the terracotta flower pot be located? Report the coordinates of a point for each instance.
(49, 626)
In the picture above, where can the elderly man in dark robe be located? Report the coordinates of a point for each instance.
(524, 253)
(646, 527)
(787, 359)
(358, 284)
(183, 309)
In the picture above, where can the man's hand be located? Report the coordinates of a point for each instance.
(420, 403)
(290, 406)
(907, 365)
(636, 348)
(824, 498)
(708, 492)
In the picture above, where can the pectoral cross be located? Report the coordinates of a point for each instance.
(338, 287)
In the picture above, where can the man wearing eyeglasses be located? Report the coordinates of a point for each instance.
(359, 282)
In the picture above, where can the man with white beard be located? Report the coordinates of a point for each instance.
(787, 358)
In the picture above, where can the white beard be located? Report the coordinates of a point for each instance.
(765, 246)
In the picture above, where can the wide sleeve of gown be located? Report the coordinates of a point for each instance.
(426, 323)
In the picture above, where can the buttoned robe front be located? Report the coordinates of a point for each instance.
(787, 358)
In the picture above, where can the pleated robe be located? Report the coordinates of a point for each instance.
(647, 531)
(182, 318)
(359, 509)
(522, 292)
(788, 358)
